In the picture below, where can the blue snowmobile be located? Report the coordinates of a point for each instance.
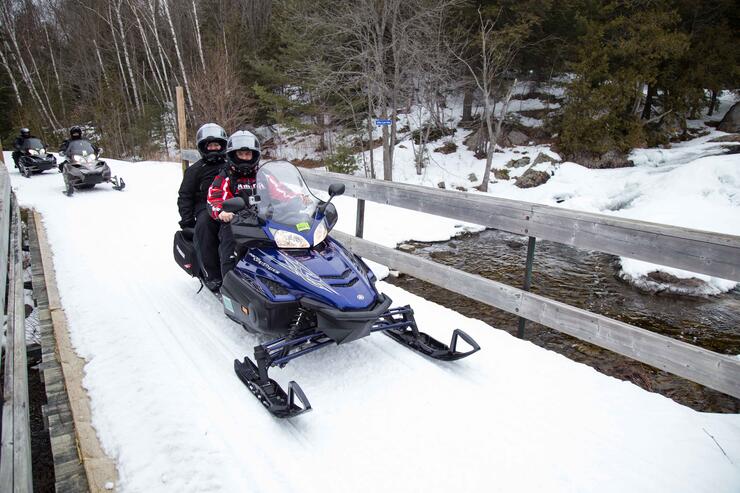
(296, 283)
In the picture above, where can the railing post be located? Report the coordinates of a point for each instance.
(360, 223)
(527, 281)
(181, 124)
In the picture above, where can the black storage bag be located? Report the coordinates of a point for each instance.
(184, 252)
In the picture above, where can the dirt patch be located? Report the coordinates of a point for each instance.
(308, 163)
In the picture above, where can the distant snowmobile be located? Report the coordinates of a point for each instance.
(296, 283)
(34, 158)
(83, 169)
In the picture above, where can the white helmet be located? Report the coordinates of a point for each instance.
(243, 140)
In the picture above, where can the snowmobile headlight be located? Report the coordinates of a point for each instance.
(78, 159)
(320, 234)
(42, 151)
(286, 239)
(33, 152)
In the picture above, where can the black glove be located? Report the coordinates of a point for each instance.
(187, 223)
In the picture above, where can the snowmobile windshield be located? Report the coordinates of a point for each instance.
(284, 196)
(80, 148)
(34, 144)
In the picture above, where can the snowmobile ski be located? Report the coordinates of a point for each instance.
(279, 403)
(405, 332)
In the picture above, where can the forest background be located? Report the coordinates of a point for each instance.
(632, 72)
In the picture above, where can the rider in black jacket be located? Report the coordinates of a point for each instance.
(75, 133)
(18, 144)
(191, 202)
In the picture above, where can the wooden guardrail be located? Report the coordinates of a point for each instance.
(710, 253)
(15, 442)
(706, 367)
(698, 251)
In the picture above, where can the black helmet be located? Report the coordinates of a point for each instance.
(210, 132)
(25, 132)
(75, 132)
(243, 141)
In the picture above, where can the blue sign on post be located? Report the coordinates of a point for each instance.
(382, 123)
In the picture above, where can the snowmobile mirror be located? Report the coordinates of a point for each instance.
(330, 213)
(234, 205)
(336, 189)
(100, 151)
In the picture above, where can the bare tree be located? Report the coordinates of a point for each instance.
(370, 46)
(498, 47)
(220, 96)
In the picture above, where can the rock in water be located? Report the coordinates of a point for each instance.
(731, 122)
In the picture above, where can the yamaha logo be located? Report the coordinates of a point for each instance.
(360, 296)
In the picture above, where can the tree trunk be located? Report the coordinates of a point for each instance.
(467, 114)
(56, 73)
(12, 78)
(137, 100)
(648, 102)
(370, 134)
(712, 102)
(387, 163)
(493, 136)
(197, 37)
(177, 51)
(162, 55)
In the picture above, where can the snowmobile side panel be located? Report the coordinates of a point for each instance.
(243, 301)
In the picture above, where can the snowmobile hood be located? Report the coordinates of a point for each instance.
(328, 274)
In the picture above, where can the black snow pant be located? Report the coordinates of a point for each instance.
(226, 249)
(16, 157)
(206, 243)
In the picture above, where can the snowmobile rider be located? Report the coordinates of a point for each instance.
(18, 144)
(238, 178)
(191, 201)
(75, 133)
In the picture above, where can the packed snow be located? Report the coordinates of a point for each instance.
(170, 411)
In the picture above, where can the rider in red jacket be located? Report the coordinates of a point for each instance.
(236, 179)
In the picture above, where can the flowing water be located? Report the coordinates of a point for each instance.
(589, 280)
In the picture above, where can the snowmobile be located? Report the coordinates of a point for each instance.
(295, 283)
(34, 158)
(83, 168)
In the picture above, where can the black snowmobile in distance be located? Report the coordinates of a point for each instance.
(83, 168)
(34, 158)
(297, 284)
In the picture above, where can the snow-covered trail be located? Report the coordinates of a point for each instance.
(169, 409)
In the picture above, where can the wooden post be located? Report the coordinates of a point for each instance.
(182, 125)
(2, 159)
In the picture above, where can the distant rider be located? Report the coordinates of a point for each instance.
(191, 202)
(75, 133)
(19, 142)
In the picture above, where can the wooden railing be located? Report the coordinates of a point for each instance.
(697, 251)
(15, 442)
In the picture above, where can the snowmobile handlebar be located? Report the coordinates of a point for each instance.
(235, 204)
